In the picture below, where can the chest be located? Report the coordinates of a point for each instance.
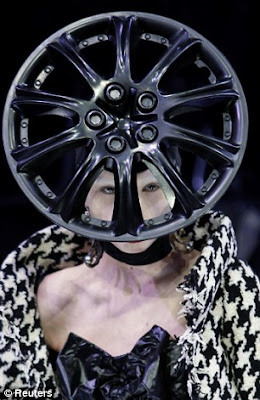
(117, 322)
(117, 332)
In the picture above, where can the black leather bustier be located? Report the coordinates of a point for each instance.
(149, 371)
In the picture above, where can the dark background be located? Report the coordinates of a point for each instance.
(227, 24)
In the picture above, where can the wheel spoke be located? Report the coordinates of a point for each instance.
(74, 196)
(181, 44)
(42, 154)
(67, 47)
(200, 98)
(127, 215)
(216, 150)
(27, 97)
(187, 199)
(123, 27)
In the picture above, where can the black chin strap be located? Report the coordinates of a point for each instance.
(159, 249)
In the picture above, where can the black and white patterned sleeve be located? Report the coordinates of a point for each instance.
(242, 329)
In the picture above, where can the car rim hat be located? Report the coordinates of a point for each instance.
(123, 91)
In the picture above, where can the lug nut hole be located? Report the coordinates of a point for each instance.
(147, 101)
(115, 93)
(116, 144)
(95, 119)
(147, 133)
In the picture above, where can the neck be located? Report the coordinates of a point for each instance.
(146, 280)
(156, 251)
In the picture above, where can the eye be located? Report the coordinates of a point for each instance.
(108, 190)
(151, 187)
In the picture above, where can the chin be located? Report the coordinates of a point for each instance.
(134, 247)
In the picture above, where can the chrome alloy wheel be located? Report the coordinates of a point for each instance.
(117, 92)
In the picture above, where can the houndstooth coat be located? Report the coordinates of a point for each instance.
(221, 345)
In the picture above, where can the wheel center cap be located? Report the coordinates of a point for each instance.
(124, 124)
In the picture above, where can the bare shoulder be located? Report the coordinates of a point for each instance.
(55, 300)
(54, 292)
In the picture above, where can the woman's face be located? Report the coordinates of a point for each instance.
(101, 197)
